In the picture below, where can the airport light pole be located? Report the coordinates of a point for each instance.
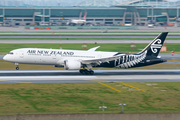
(103, 107)
(122, 104)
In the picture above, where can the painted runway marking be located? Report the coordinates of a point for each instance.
(115, 82)
(132, 87)
(13, 81)
(109, 87)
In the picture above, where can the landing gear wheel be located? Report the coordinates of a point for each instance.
(91, 72)
(87, 72)
(81, 71)
(17, 68)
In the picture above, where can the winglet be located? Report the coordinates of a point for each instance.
(93, 49)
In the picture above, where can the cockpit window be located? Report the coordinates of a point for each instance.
(11, 53)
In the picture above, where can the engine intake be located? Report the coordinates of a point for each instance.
(72, 65)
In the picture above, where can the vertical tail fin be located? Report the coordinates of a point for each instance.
(154, 47)
(84, 18)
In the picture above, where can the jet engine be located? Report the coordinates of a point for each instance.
(72, 65)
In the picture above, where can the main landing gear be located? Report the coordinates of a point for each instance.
(87, 72)
(17, 68)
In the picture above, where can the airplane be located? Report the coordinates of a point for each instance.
(78, 22)
(85, 60)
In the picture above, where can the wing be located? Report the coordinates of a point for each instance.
(101, 60)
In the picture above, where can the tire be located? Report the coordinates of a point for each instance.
(81, 71)
(86, 72)
(91, 72)
(17, 68)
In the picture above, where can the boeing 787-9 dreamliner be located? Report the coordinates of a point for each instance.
(80, 60)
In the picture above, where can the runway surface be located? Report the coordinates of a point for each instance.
(89, 32)
(1, 57)
(86, 36)
(101, 75)
(140, 29)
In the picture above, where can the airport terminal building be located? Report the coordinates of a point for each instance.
(34, 15)
(137, 14)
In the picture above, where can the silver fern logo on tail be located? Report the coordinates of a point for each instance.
(129, 61)
(156, 44)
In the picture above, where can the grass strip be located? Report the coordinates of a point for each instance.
(98, 38)
(100, 31)
(87, 97)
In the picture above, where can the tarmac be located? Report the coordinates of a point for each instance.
(140, 29)
(86, 32)
(101, 75)
(76, 36)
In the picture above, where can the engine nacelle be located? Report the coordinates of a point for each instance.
(72, 65)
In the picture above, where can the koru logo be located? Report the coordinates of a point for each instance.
(156, 44)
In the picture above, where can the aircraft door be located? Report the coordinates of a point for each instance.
(53, 57)
(21, 54)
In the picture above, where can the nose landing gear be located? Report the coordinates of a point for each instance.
(17, 68)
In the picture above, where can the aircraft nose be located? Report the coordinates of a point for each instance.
(5, 57)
